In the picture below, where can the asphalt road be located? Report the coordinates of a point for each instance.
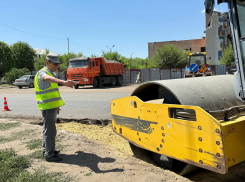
(80, 103)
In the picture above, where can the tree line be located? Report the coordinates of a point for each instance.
(20, 58)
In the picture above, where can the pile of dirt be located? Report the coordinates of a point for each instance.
(102, 134)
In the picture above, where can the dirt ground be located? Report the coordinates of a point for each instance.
(93, 153)
(88, 159)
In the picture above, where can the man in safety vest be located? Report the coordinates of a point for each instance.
(49, 102)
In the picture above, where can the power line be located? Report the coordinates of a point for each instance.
(84, 46)
(44, 36)
(29, 33)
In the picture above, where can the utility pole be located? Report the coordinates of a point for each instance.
(67, 41)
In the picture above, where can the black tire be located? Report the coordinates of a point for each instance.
(113, 81)
(99, 83)
(119, 80)
(76, 86)
(95, 83)
(31, 85)
(20, 87)
(142, 154)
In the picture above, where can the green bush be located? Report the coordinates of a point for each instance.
(228, 56)
(136, 63)
(15, 73)
(170, 56)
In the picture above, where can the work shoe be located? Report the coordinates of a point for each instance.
(55, 158)
(55, 152)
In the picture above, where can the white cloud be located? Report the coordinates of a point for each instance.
(203, 11)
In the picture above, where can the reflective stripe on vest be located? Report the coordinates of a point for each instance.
(48, 98)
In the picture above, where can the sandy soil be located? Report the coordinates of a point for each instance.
(88, 159)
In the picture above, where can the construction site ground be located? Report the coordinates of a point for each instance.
(91, 151)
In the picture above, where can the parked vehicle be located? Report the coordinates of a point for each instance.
(25, 81)
(231, 69)
(197, 65)
(95, 71)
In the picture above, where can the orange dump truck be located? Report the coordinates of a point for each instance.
(95, 71)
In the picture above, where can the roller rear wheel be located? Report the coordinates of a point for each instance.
(163, 161)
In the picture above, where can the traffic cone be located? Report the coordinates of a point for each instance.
(5, 108)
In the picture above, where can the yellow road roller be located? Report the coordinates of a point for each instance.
(183, 124)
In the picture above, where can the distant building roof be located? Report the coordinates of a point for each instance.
(43, 51)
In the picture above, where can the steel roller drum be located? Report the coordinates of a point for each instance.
(210, 93)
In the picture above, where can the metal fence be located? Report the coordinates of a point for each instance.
(144, 75)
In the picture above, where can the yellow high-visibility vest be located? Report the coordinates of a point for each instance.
(48, 98)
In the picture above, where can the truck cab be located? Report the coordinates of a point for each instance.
(83, 70)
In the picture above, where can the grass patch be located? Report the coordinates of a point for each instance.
(21, 135)
(36, 155)
(88, 174)
(34, 144)
(7, 126)
(13, 167)
(4, 140)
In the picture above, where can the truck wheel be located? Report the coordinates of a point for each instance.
(76, 86)
(20, 87)
(95, 83)
(119, 80)
(31, 85)
(99, 83)
(113, 81)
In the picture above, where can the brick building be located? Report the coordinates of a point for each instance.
(194, 45)
(217, 29)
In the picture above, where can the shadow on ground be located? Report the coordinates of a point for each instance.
(88, 160)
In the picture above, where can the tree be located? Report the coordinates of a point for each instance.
(93, 55)
(23, 55)
(15, 74)
(170, 56)
(138, 63)
(6, 62)
(228, 56)
(111, 55)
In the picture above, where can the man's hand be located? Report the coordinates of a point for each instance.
(69, 83)
(58, 111)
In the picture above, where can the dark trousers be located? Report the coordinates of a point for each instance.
(49, 131)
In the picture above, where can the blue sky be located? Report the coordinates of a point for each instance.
(92, 25)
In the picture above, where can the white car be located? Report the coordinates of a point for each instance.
(25, 81)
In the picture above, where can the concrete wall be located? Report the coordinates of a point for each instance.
(193, 45)
(216, 36)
